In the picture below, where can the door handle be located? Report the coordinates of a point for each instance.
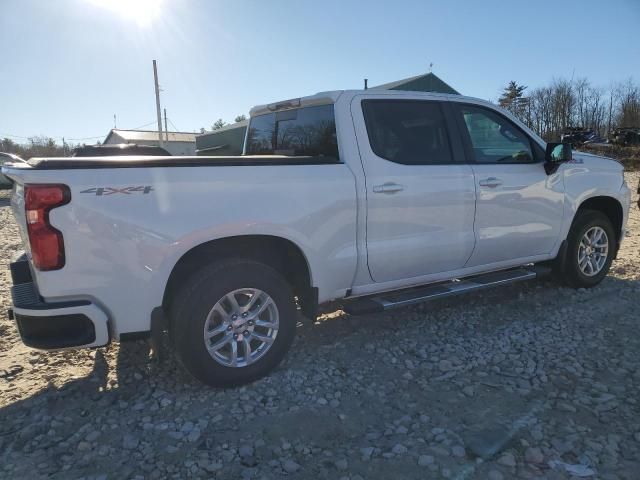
(491, 182)
(388, 188)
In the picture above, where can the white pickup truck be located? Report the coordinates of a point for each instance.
(376, 199)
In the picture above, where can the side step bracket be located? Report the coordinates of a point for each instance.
(402, 298)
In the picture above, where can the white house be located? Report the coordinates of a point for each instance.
(176, 143)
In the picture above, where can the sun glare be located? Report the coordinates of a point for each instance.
(143, 12)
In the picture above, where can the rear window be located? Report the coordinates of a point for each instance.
(308, 131)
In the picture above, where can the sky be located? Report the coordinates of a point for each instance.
(67, 66)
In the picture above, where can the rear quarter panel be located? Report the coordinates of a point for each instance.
(122, 245)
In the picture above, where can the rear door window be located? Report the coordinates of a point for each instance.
(409, 132)
(308, 131)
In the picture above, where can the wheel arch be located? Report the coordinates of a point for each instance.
(280, 253)
(610, 207)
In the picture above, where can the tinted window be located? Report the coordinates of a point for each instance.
(495, 139)
(304, 131)
(407, 131)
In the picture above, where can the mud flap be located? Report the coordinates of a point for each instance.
(158, 326)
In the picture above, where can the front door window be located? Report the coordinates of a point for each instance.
(495, 139)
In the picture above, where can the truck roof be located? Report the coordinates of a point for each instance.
(330, 97)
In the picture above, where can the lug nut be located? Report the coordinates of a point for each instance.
(229, 328)
(250, 322)
(234, 317)
(235, 336)
(246, 332)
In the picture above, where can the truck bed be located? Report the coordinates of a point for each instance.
(130, 219)
(74, 163)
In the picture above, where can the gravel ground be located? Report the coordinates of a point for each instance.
(529, 381)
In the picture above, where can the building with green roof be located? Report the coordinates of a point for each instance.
(428, 82)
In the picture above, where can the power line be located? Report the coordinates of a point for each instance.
(10, 135)
(14, 136)
(141, 126)
(47, 136)
(83, 138)
(175, 129)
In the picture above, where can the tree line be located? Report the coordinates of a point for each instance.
(38, 146)
(574, 103)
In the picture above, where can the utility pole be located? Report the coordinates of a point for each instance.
(115, 125)
(366, 83)
(166, 130)
(155, 79)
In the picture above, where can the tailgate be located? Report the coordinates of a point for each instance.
(17, 205)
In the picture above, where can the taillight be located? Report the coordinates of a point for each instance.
(47, 245)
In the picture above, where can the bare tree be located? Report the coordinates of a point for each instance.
(576, 103)
(627, 98)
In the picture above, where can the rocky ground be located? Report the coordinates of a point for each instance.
(529, 381)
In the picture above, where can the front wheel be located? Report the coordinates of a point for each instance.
(233, 322)
(590, 249)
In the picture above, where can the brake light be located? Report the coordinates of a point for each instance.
(47, 245)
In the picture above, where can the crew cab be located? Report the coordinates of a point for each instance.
(375, 199)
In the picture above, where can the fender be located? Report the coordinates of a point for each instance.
(593, 177)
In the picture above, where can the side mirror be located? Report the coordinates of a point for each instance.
(556, 154)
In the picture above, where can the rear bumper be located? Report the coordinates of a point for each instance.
(54, 325)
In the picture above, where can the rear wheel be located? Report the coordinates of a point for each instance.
(233, 322)
(590, 249)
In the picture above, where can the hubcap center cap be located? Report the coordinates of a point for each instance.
(241, 326)
(239, 323)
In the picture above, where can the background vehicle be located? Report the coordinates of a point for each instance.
(378, 199)
(579, 135)
(5, 182)
(625, 136)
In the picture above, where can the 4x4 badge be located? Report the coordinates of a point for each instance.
(100, 191)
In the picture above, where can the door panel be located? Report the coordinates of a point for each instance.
(519, 212)
(519, 208)
(420, 212)
(425, 228)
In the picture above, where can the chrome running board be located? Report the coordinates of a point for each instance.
(402, 298)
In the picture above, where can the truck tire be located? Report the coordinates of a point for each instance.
(590, 250)
(233, 321)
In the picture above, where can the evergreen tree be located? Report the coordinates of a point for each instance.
(218, 124)
(513, 99)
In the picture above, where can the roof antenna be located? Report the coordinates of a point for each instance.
(366, 83)
(430, 67)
